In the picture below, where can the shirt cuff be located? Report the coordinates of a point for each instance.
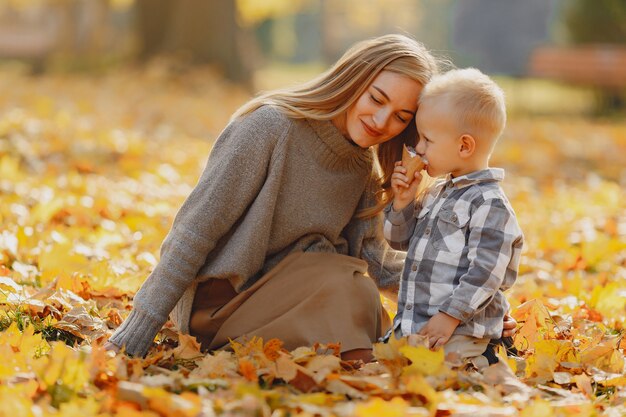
(137, 333)
(398, 218)
(457, 309)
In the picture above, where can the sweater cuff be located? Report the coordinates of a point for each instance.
(398, 218)
(137, 333)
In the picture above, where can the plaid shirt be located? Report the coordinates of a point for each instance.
(463, 245)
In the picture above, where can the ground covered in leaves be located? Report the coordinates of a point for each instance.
(92, 170)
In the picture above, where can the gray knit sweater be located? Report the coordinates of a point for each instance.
(272, 186)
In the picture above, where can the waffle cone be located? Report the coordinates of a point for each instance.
(412, 164)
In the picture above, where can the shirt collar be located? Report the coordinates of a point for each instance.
(476, 177)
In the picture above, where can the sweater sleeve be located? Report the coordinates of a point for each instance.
(365, 237)
(234, 174)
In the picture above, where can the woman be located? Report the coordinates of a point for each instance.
(278, 235)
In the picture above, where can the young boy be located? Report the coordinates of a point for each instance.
(462, 237)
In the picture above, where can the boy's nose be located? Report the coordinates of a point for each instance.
(420, 148)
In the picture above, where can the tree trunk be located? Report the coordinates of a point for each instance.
(202, 31)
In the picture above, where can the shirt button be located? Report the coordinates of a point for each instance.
(414, 267)
(444, 195)
(409, 307)
(454, 217)
(427, 231)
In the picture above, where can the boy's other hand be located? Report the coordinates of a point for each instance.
(404, 188)
(509, 326)
(439, 329)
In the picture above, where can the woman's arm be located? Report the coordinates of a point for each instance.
(366, 241)
(232, 178)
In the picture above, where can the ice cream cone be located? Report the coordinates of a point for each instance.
(412, 163)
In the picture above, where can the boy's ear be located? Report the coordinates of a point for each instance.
(467, 146)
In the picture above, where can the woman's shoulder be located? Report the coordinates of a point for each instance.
(264, 126)
(266, 117)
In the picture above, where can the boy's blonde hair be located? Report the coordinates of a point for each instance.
(477, 101)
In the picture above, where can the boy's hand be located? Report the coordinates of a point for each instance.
(404, 188)
(439, 329)
(509, 326)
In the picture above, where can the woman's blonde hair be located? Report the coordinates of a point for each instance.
(333, 92)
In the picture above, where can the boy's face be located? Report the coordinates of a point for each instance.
(383, 110)
(439, 138)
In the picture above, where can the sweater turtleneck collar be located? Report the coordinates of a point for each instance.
(337, 150)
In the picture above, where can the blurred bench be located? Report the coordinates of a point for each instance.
(601, 66)
(30, 38)
(25, 42)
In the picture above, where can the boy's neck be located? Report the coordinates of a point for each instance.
(470, 167)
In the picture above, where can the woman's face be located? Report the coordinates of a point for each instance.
(382, 111)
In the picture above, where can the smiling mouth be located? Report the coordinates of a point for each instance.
(370, 131)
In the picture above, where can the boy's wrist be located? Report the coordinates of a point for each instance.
(451, 319)
(399, 205)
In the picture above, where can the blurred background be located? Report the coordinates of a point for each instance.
(553, 56)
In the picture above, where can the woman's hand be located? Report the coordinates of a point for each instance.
(404, 188)
(509, 326)
(110, 346)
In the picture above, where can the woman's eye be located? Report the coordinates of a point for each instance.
(402, 119)
(375, 100)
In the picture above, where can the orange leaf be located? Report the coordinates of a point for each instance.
(272, 349)
(247, 369)
(188, 347)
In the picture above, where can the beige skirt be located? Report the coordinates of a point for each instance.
(306, 298)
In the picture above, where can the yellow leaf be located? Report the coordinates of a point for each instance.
(10, 168)
(15, 402)
(44, 212)
(418, 385)
(321, 366)
(172, 405)
(423, 360)
(542, 364)
(583, 382)
(538, 408)
(253, 346)
(609, 299)
(377, 407)
(389, 354)
(317, 398)
(615, 380)
(64, 366)
(60, 260)
(216, 365)
(25, 342)
(532, 310)
(80, 407)
(605, 357)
